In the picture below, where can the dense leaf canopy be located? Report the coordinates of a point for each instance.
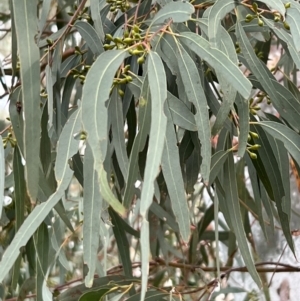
(132, 126)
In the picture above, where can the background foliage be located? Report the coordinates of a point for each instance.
(123, 116)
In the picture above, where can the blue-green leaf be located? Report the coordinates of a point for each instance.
(195, 94)
(216, 14)
(219, 61)
(236, 222)
(158, 90)
(173, 176)
(25, 21)
(67, 147)
(177, 11)
(92, 206)
(90, 36)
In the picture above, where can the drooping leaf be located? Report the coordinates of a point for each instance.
(118, 132)
(266, 154)
(293, 19)
(218, 60)
(92, 206)
(122, 242)
(158, 90)
(195, 94)
(96, 6)
(67, 147)
(173, 177)
(42, 250)
(290, 139)
(216, 14)
(25, 22)
(232, 203)
(243, 112)
(290, 107)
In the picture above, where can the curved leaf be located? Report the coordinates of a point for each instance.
(195, 95)
(219, 61)
(90, 36)
(173, 176)
(67, 147)
(158, 90)
(216, 14)
(233, 207)
(177, 11)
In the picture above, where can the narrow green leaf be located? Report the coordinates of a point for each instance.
(177, 11)
(90, 36)
(95, 115)
(95, 94)
(144, 242)
(92, 206)
(43, 18)
(282, 34)
(256, 194)
(195, 94)
(243, 112)
(266, 154)
(229, 93)
(282, 158)
(96, 6)
(117, 125)
(293, 19)
(216, 14)
(217, 163)
(158, 90)
(42, 250)
(181, 115)
(172, 174)
(164, 216)
(25, 21)
(290, 108)
(20, 198)
(67, 147)
(232, 203)
(122, 242)
(218, 60)
(144, 123)
(290, 138)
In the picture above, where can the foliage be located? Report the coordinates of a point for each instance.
(145, 106)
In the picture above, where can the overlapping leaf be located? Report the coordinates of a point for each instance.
(218, 60)
(67, 147)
